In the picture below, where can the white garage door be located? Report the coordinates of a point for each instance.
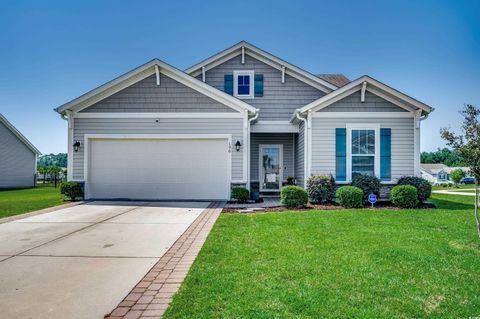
(158, 169)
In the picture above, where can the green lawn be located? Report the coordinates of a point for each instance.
(460, 186)
(20, 201)
(338, 264)
(463, 190)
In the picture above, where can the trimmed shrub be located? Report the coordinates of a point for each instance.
(404, 196)
(368, 184)
(294, 196)
(350, 197)
(321, 188)
(72, 190)
(424, 188)
(240, 194)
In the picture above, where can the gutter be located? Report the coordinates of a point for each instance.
(250, 120)
(305, 143)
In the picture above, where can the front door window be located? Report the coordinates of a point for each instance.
(270, 167)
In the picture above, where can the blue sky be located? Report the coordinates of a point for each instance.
(54, 51)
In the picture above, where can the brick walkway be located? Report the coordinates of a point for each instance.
(152, 295)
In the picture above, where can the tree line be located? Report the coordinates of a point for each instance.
(442, 156)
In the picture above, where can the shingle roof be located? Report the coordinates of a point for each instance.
(435, 168)
(335, 79)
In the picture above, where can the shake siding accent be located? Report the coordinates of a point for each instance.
(300, 155)
(147, 96)
(372, 103)
(323, 143)
(164, 126)
(286, 139)
(17, 161)
(279, 101)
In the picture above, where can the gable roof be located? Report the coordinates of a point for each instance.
(338, 80)
(264, 57)
(19, 135)
(143, 72)
(376, 87)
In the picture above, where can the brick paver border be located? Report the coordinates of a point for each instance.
(152, 295)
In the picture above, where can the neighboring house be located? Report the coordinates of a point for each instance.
(18, 157)
(440, 173)
(241, 117)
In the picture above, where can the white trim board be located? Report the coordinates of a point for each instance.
(159, 115)
(143, 72)
(363, 114)
(274, 127)
(264, 57)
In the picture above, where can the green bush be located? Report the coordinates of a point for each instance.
(368, 184)
(321, 188)
(350, 196)
(240, 194)
(404, 196)
(72, 190)
(293, 196)
(424, 188)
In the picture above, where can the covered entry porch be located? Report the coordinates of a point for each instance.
(274, 161)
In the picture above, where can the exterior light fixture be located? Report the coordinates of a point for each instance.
(238, 144)
(76, 146)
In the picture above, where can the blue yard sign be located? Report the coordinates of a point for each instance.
(372, 199)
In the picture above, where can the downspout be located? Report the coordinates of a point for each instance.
(250, 120)
(305, 144)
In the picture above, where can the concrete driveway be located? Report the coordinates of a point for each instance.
(80, 262)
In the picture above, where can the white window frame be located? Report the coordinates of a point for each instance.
(250, 73)
(374, 127)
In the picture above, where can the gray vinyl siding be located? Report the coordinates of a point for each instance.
(231, 126)
(323, 143)
(300, 155)
(286, 139)
(372, 103)
(279, 101)
(147, 96)
(17, 161)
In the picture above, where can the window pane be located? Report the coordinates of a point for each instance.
(243, 84)
(363, 165)
(243, 89)
(363, 142)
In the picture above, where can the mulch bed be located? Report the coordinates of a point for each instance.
(332, 206)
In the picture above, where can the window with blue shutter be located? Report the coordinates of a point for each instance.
(228, 84)
(341, 154)
(385, 154)
(258, 85)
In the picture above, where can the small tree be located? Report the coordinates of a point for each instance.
(467, 145)
(42, 170)
(456, 176)
(53, 171)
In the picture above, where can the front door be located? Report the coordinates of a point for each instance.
(271, 158)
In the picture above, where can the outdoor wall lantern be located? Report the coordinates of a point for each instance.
(238, 144)
(76, 146)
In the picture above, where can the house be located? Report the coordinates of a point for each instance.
(18, 157)
(439, 173)
(240, 117)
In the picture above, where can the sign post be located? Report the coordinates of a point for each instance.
(372, 199)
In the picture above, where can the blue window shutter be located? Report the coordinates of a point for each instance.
(258, 85)
(385, 154)
(228, 84)
(341, 154)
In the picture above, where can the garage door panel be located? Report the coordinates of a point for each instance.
(159, 169)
